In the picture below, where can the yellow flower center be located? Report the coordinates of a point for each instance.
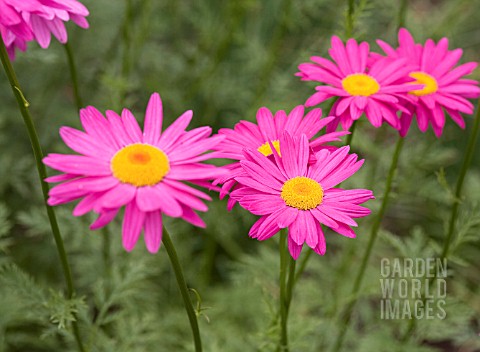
(266, 150)
(140, 165)
(431, 85)
(302, 193)
(360, 84)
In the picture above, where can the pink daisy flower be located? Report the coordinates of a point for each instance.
(121, 166)
(55, 12)
(25, 20)
(375, 90)
(14, 29)
(292, 193)
(267, 132)
(444, 89)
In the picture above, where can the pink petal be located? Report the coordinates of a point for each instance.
(131, 126)
(153, 120)
(153, 231)
(104, 219)
(132, 226)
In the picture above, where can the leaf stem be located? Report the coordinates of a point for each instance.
(182, 285)
(42, 174)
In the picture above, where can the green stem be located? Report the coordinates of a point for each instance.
(402, 13)
(348, 140)
(467, 160)
(371, 242)
(106, 252)
(126, 36)
(74, 76)
(303, 265)
(350, 19)
(283, 343)
(182, 285)
(42, 174)
(291, 281)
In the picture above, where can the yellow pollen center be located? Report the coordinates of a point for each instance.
(302, 193)
(430, 83)
(266, 150)
(360, 84)
(140, 165)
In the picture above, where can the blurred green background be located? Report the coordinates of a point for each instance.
(224, 60)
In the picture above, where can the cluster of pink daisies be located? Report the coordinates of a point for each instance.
(413, 79)
(22, 21)
(284, 168)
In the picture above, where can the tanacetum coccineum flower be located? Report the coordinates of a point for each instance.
(121, 166)
(374, 90)
(267, 132)
(14, 29)
(433, 65)
(292, 193)
(22, 21)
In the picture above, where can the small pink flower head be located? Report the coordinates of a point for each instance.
(25, 20)
(119, 165)
(292, 193)
(374, 90)
(267, 132)
(444, 88)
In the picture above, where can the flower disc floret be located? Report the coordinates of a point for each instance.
(360, 84)
(302, 193)
(431, 85)
(266, 149)
(140, 165)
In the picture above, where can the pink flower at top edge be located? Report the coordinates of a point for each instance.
(269, 129)
(119, 165)
(444, 90)
(376, 91)
(292, 193)
(25, 20)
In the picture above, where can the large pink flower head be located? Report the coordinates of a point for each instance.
(292, 193)
(24, 20)
(375, 90)
(433, 66)
(121, 166)
(267, 132)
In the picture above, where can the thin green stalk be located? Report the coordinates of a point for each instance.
(283, 343)
(348, 140)
(106, 252)
(291, 281)
(467, 160)
(350, 19)
(402, 13)
(182, 285)
(74, 76)
(463, 172)
(126, 36)
(42, 174)
(373, 236)
(303, 265)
